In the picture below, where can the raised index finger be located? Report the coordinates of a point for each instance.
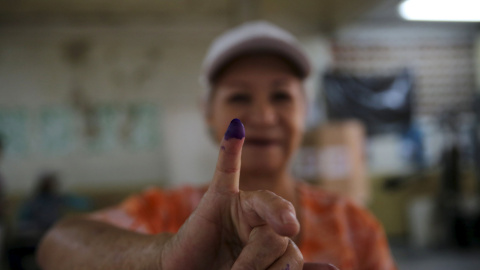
(227, 172)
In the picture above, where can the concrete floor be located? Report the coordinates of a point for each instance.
(447, 259)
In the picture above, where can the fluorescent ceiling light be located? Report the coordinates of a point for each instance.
(440, 10)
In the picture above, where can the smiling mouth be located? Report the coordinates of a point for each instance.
(261, 142)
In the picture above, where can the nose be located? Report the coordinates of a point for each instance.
(262, 114)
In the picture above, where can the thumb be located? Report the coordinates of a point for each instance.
(227, 172)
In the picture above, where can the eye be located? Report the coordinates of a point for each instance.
(239, 98)
(281, 96)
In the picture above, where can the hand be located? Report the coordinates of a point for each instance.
(232, 229)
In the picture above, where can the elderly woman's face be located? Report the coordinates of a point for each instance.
(264, 93)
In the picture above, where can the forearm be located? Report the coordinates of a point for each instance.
(80, 243)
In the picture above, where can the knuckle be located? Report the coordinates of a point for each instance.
(276, 244)
(297, 265)
(245, 265)
(295, 257)
(266, 193)
(289, 206)
(283, 205)
(332, 267)
(271, 197)
(293, 246)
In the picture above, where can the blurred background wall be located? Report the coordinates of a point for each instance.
(65, 68)
(103, 104)
(109, 94)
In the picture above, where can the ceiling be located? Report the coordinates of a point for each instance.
(326, 14)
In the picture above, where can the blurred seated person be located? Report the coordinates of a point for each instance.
(254, 214)
(36, 215)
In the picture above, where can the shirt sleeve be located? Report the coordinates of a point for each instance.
(152, 211)
(369, 240)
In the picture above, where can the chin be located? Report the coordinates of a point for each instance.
(261, 164)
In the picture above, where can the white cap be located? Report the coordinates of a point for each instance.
(258, 36)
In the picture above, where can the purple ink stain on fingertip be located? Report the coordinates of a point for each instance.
(288, 267)
(235, 130)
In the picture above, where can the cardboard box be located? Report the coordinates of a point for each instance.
(333, 156)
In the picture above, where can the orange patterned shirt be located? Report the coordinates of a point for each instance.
(334, 230)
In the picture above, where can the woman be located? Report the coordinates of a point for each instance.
(254, 214)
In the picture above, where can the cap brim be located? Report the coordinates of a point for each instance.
(261, 44)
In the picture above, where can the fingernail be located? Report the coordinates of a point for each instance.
(289, 218)
(235, 130)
